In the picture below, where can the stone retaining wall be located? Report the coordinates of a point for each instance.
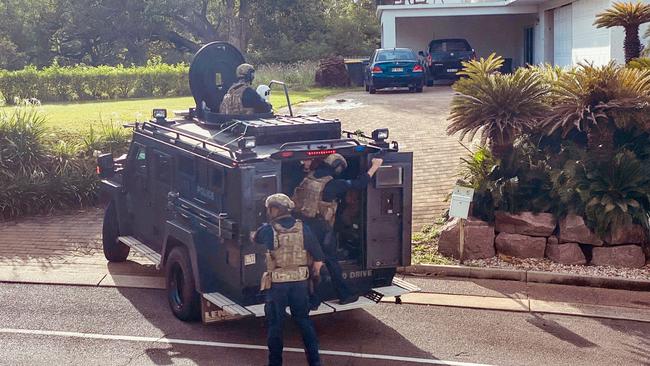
(529, 235)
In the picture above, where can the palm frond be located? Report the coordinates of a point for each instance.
(624, 14)
(589, 95)
(497, 106)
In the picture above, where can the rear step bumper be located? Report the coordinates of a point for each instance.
(216, 307)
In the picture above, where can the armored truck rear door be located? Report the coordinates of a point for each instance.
(388, 213)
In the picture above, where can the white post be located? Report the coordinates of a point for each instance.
(461, 231)
(388, 30)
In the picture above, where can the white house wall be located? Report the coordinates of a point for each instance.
(503, 34)
(590, 43)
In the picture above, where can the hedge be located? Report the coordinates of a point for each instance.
(71, 83)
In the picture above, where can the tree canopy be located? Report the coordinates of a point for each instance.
(108, 32)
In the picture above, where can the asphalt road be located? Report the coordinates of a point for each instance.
(60, 325)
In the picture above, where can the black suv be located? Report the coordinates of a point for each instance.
(444, 57)
(191, 190)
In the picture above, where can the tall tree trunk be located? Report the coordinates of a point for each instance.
(632, 42)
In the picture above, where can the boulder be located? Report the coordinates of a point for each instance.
(521, 246)
(566, 253)
(626, 256)
(574, 230)
(552, 240)
(479, 239)
(627, 234)
(525, 223)
(331, 71)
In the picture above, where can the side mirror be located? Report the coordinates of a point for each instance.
(105, 166)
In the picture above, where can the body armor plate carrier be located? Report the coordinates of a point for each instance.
(289, 261)
(308, 198)
(232, 101)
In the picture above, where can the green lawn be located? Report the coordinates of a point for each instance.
(77, 116)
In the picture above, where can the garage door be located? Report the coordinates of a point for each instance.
(562, 36)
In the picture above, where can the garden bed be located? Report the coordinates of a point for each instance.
(426, 252)
(546, 265)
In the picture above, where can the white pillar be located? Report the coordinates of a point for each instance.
(388, 31)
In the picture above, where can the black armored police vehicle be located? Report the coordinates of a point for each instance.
(191, 190)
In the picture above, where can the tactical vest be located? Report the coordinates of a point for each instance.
(308, 198)
(232, 101)
(288, 261)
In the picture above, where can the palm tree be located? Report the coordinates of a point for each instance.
(629, 16)
(498, 107)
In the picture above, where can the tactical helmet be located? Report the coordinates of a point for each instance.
(245, 72)
(337, 162)
(279, 200)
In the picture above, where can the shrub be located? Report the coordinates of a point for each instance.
(38, 173)
(595, 101)
(22, 134)
(298, 76)
(611, 193)
(58, 84)
(589, 155)
(497, 106)
(156, 79)
(640, 63)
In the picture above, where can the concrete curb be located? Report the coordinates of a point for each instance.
(434, 270)
(533, 306)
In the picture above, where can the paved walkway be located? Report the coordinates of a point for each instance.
(64, 249)
(418, 121)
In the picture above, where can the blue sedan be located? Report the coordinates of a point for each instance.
(394, 67)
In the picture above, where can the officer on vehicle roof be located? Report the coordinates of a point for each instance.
(241, 99)
(316, 199)
(290, 244)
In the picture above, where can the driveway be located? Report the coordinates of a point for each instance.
(418, 123)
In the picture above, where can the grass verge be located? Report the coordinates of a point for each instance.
(77, 117)
(424, 249)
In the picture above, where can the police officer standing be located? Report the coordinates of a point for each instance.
(290, 244)
(316, 199)
(241, 99)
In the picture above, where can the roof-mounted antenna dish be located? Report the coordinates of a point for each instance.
(212, 72)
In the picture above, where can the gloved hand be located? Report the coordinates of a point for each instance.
(315, 273)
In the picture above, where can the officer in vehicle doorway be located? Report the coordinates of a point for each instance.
(291, 247)
(241, 98)
(317, 198)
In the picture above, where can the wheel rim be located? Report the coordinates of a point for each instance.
(176, 286)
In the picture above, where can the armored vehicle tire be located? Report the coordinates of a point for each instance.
(183, 299)
(114, 251)
(372, 90)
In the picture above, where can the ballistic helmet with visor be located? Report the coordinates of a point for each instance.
(337, 162)
(279, 200)
(245, 72)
